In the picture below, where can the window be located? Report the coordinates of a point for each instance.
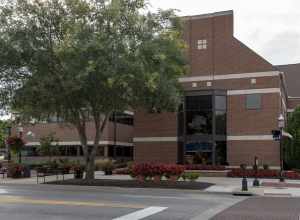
(220, 117)
(202, 44)
(122, 118)
(253, 101)
(199, 114)
(220, 102)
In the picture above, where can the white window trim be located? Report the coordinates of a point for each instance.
(253, 91)
(75, 143)
(228, 76)
(250, 138)
(155, 139)
(229, 138)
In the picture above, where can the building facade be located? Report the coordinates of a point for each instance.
(232, 100)
(116, 141)
(231, 103)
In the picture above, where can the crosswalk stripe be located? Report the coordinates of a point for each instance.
(142, 213)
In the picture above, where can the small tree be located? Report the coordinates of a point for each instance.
(292, 147)
(48, 146)
(16, 144)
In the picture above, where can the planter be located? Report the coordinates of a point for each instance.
(108, 172)
(156, 179)
(141, 179)
(173, 178)
(17, 175)
(78, 174)
(26, 172)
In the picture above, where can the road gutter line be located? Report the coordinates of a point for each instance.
(142, 213)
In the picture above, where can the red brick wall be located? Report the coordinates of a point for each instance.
(155, 124)
(163, 152)
(239, 152)
(236, 84)
(225, 54)
(293, 103)
(241, 121)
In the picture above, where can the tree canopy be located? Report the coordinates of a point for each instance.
(84, 59)
(292, 147)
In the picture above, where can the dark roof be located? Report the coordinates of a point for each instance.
(292, 76)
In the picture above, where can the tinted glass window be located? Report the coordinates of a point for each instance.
(199, 122)
(220, 122)
(220, 102)
(203, 102)
(221, 153)
(253, 101)
(122, 118)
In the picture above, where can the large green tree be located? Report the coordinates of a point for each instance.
(292, 147)
(84, 59)
(3, 132)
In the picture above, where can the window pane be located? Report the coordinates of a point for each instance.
(220, 102)
(253, 101)
(221, 153)
(199, 122)
(203, 102)
(220, 122)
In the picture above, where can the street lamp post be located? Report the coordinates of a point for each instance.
(281, 123)
(20, 130)
(8, 154)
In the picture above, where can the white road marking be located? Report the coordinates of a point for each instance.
(3, 191)
(142, 213)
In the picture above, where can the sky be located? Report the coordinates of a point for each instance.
(270, 27)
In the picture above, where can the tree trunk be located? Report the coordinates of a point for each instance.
(90, 151)
(90, 163)
(20, 157)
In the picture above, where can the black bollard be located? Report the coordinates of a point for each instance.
(244, 184)
(256, 182)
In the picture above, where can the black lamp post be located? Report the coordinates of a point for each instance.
(255, 181)
(281, 123)
(8, 154)
(20, 130)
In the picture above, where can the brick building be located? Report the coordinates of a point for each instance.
(232, 100)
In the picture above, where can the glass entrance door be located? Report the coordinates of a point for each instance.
(205, 127)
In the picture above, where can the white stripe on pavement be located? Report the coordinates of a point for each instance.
(142, 213)
(3, 191)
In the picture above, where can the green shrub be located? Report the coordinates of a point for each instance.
(191, 176)
(266, 166)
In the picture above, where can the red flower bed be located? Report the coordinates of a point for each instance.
(204, 167)
(263, 173)
(291, 175)
(174, 170)
(155, 169)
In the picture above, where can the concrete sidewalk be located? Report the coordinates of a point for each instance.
(224, 185)
(234, 185)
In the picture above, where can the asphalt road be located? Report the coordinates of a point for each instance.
(263, 208)
(50, 202)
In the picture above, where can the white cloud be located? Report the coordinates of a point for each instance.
(258, 23)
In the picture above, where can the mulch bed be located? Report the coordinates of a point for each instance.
(135, 184)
